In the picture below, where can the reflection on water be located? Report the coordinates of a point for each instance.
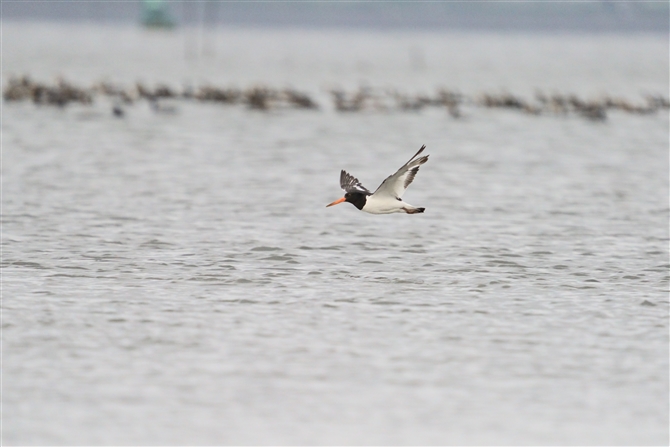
(178, 276)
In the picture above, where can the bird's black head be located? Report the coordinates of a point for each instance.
(357, 198)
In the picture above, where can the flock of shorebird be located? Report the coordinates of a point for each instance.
(62, 93)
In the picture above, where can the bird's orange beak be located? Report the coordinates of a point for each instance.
(336, 202)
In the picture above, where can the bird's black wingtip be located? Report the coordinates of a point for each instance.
(417, 154)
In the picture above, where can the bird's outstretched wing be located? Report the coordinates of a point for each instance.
(349, 183)
(396, 184)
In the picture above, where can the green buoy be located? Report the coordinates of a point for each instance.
(155, 14)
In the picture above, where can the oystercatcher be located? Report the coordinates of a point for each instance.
(388, 197)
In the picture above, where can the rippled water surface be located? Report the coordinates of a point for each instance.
(176, 278)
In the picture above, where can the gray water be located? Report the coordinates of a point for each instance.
(177, 279)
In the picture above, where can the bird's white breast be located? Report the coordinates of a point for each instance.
(384, 205)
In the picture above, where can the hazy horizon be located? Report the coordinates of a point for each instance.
(495, 16)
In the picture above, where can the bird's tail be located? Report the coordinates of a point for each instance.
(414, 210)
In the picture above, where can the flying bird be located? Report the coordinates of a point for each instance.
(387, 198)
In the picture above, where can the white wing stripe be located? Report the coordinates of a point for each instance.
(396, 184)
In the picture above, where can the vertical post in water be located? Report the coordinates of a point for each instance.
(210, 21)
(189, 15)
